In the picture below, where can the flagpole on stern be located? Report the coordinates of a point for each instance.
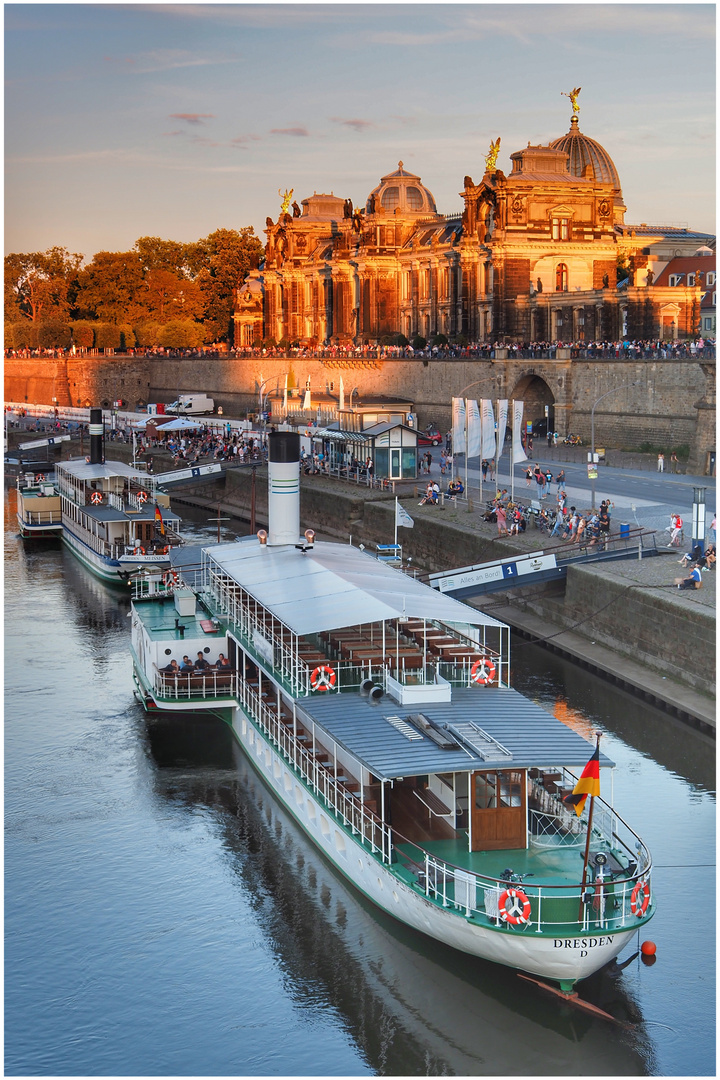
(589, 831)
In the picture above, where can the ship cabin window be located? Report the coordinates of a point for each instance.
(560, 228)
(498, 790)
(561, 278)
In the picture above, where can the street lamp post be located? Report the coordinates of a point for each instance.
(593, 471)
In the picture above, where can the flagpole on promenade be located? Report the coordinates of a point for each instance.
(512, 453)
(396, 520)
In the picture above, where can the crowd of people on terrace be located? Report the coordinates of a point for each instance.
(601, 350)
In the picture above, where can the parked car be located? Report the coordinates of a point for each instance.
(430, 437)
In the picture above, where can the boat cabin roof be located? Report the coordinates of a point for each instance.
(85, 470)
(332, 585)
(110, 513)
(514, 733)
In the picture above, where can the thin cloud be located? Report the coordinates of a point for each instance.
(357, 125)
(241, 140)
(157, 60)
(290, 131)
(192, 117)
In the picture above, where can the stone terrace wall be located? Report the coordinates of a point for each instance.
(661, 409)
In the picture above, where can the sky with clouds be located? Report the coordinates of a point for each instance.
(175, 120)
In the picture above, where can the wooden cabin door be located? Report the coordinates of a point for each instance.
(499, 810)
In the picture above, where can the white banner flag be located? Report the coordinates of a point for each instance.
(342, 394)
(473, 429)
(488, 429)
(518, 448)
(458, 425)
(285, 396)
(501, 425)
(402, 517)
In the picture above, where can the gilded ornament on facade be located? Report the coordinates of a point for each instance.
(286, 199)
(492, 157)
(573, 95)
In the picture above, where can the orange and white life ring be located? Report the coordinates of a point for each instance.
(170, 577)
(323, 678)
(483, 671)
(142, 496)
(640, 908)
(519, 910)
(39, 477)
(96, 497)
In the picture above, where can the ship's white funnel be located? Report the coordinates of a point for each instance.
(283, 487)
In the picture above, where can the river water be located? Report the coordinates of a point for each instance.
(163, 915)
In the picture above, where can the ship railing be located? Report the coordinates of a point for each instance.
(611, 900)
(194, 685)
(152, 586)
(43, 517)
(367, 828)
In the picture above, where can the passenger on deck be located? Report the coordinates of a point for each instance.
(201, 663)
(172, 668)
(187, 664)
(223, 664)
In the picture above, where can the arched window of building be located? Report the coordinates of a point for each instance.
(391, 198)
(414, 198)
(561, 278)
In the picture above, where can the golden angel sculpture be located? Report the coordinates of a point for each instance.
(286, 199)
(573, 95)
(492, 157)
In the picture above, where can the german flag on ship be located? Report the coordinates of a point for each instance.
(159, 520)
(588, 784)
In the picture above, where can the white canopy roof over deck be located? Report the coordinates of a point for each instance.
(333, 585)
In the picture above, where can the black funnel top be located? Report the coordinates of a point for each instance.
(96, 437)
(284, 446)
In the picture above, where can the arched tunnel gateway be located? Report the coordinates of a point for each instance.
(538, 397)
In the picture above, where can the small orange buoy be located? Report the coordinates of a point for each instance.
(648, 948)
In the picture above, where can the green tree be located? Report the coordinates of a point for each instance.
(169, 255)
(107, 336)
(168, 296)
(181, 334)
(224, 258)
(54, 334)
(41, 284)
(147, 333)
(83, 334)
(418, 343)
(110, 288)
(25, 335)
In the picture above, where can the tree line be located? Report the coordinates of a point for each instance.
(161, 292)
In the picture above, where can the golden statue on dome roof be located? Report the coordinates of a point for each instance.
(573, 95)
(285, 199)
(492, 157)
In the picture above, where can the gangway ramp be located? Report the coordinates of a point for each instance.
(535, 567)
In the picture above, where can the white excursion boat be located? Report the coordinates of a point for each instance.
(378, 712)
(113, 516)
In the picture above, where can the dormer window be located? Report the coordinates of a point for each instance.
(561, 228)
(675, 279)
(710, 277)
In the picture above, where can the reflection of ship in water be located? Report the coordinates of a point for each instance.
(99, 605)
(412, 1005)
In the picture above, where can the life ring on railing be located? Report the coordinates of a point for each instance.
(483, 671)
(323, 678)
(519, 910)
(170, 577)
(142, 496)
(39, 477)
(639, 909)
(96, 497)
(139, 550)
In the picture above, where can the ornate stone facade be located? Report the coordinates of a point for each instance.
(532, 257)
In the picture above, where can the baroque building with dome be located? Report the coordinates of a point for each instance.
(529, 256)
